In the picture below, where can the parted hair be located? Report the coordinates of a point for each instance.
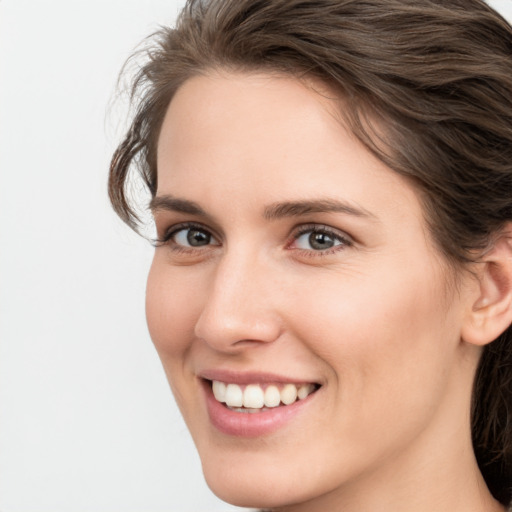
(426, 85)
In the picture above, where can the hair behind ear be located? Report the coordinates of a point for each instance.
(492, 396)
(492, 417)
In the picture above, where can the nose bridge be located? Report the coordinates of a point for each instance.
(239, 306)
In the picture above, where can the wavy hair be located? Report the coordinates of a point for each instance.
(436, 74)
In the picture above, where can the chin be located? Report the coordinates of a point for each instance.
(263, 479)
(254, 488)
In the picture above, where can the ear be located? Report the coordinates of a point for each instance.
(490, 314)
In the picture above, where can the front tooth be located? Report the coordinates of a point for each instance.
(253, 397)
(234, 395)
(272, 396)
(219, 390)
(289, 394)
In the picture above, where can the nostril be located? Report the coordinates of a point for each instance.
(230, 325)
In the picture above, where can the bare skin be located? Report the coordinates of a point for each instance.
(259, 170)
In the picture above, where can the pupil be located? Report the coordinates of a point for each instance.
(197, 238)
(320, 241)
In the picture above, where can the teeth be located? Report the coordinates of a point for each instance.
(245, 410)
(303, 391)
(234, 396)
(289, 394)
(219, 390)
(272, 396)
(253, 398)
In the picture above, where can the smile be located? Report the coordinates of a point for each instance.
(254, 398)
(254, 404)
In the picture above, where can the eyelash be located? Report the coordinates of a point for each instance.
(167, 238)
(343, 239)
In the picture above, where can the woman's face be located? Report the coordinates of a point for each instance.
(293, 261)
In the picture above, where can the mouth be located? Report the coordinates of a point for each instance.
(260, 397)
(255, 404)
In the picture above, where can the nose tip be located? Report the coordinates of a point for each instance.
(237, 312)
(234, 327)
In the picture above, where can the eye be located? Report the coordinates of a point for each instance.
(192, 237)
(319, 239)
(188, 237)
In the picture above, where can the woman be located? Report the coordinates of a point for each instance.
(330, 296)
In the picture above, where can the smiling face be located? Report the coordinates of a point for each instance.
(291, 260)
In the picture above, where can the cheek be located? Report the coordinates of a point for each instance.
(370, 307)
(172, 307)
(388, 341)
(389, 354)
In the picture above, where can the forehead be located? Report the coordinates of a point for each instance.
(269, 138)
(243, 105)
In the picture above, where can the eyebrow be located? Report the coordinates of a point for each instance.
(175, 204)
(298, 208)
(274, 211)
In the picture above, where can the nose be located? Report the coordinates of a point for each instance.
(239, 309)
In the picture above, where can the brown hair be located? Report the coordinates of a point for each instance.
(436, 74)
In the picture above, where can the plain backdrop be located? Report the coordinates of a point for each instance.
(87, 422)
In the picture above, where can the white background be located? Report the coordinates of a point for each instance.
(87, 423)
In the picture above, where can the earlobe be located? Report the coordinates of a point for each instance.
(491, 313)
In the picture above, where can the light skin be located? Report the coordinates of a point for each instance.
(258, 164)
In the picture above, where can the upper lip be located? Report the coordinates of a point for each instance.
(249, 377)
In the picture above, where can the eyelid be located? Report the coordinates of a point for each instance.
(169, 232)
(345, 239)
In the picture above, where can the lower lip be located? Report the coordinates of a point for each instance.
(242, 424)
